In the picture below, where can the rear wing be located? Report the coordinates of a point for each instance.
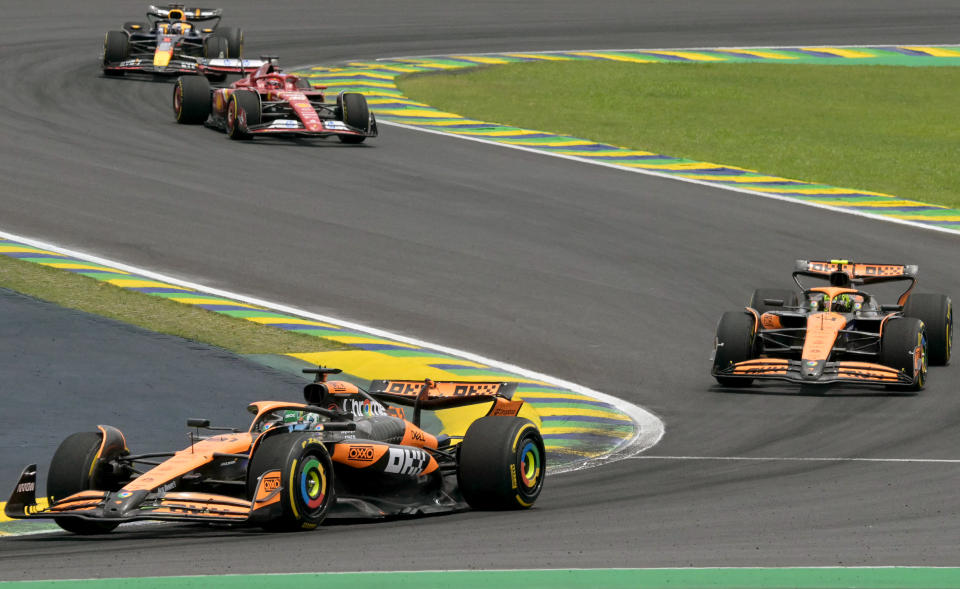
(431, 394)
(181, 12)
(845, 273)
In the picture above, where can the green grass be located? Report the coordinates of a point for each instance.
(887, 129)
(153, 313)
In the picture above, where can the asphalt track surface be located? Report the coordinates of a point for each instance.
(607, 278)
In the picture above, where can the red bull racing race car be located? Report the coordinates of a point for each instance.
(344, 453)
(836, 333)
(173, 42)
(268, 101)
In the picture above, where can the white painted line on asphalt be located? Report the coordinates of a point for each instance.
(679, 179)
(800, 459)
(649, 427)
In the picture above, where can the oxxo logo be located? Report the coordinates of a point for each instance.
(360, 453)
(271, 483)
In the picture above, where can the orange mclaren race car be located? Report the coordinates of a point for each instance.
(345, 453)
(836, 333)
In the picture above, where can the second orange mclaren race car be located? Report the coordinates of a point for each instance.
(345, 453)
(836, 333)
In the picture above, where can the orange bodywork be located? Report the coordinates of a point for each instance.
(822, 331)
(359, 455)
(192, 458)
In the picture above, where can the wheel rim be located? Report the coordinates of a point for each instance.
(949, 331)
(178, 99)
(313, 483)
(231, 116)
(922, 364)
(530, 461)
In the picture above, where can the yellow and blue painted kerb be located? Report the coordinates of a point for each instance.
(377, 80)
(576, 427)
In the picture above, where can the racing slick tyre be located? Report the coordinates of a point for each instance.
(786, 295)
(936, 312)
(116, 46)
(306, 477)
(135, 26)
(191, 100)
(234, 39)
(243, 110)
(215, 47)
(735, 342)
(900, 341)
(354, 112)
(502, 463)
(73, 470)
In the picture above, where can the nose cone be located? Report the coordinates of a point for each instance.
(812, 369)
(162, 58)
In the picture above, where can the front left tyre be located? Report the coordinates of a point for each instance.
(936, 312)
(903, 346)
(355, 113)
(191, 100)
(77, 466)
(306, 479)
(243, 111)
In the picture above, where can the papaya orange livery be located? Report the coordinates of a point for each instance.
(836, 333)
(343, 453)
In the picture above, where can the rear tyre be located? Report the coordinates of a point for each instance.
(735, 342)
(73, 470)
(191, 100)
(116, 47)
(215, 48)
(936, 312)
(900, 342)
(789, 298)
(306, 475)
(243, 110)
(234, 39)
(502, 463)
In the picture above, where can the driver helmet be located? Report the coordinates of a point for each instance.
(274, 83)
(842, 303)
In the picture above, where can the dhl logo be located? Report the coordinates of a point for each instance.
(412, 389)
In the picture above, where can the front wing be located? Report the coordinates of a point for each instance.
(833, 372)
(176, 67)
(127, 506)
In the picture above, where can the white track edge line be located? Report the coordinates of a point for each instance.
(800, 459)
(650, 428)
(778, 197)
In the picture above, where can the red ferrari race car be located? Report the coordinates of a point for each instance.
(173, 42)
(345, 453)
(836, 333)
(270, 102)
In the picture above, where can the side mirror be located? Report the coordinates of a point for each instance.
(773, 302)
(891, 308)
(198, 422)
